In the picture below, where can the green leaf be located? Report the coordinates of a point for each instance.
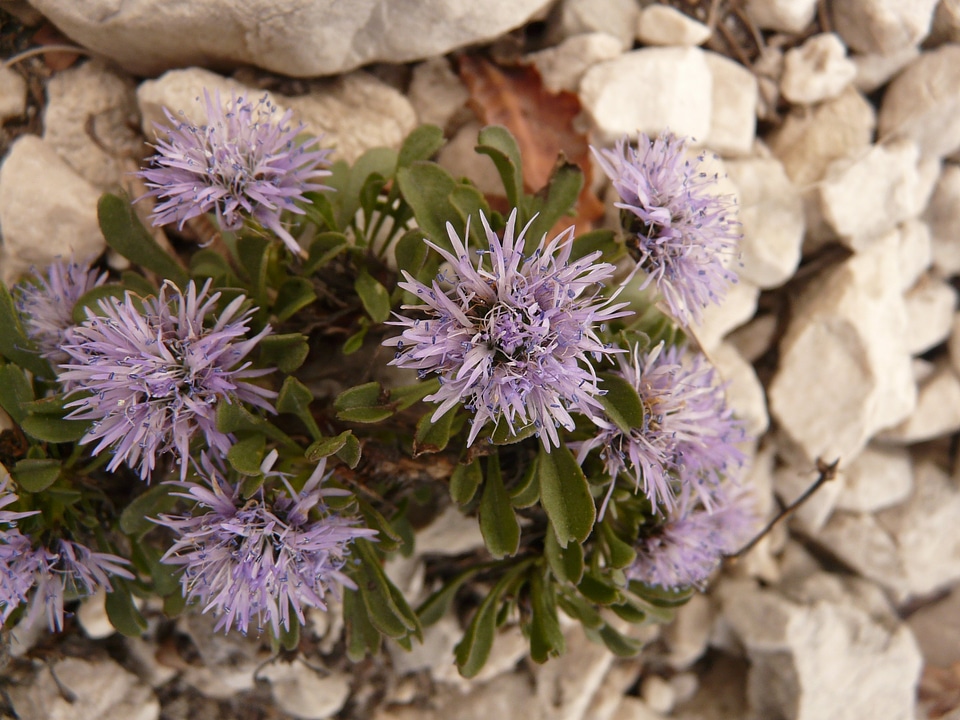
(246, 455)
(389, 538)
(603, 240)
(546, 637)
(407, 395)
(362, 403)
(324, 248)
(629, 612)
(470, 203)
(426, 187)
(387, 609)
(565, 563)
(661, 597)
(15, 389)
(286, 352)
(252, 255)
(207, 263)
(376, 161)
(295, 398)
(36, 474)
(621, 402)
(290, 637)
(373, 295)
(565, 495)
(432, 437)
(503, 435)
(499, 145)
(53, 429)
(369, 195)
(121, 611)
(362, 636)
(355, 341)
(327, 446)
(464, 482)
(421, 144)
(92, 297)
(595, 590)
(411, 251)
(14, 344)
(437, 605)
(620, 553)
(134, 520)
(320, 211)
(579, 609)
(560, 197)
(124, 232)
(294, 294)
(350, 452)
(618, 644)
(527, 492)
(498, 522)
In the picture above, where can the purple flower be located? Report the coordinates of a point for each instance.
(688, 436)
(682, 550)
(245, 162)
(251, 561)
(511, 341)
(18, 564)
(149, 374)
(45, 304)
(680, 230)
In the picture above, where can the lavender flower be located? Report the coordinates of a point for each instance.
(688, 436)
(45, 304)
(680, 230)
(18, 564)
(689, 544)
(511, 342)
(251, 561)
(243, 163)
(150, 374)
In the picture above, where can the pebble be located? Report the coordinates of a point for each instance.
(789, 16)
(305, 693)
(930, 308)
(915, 253)
(13, 94)
(938, 409)
(882, 26)
(436, 93)
(817, 70)
(733, 113)
(736, 308)
(942, 215)
(664, 25)
(879, 478)
(617, 18)
(563, 66)
(875, 70)
(744, 391)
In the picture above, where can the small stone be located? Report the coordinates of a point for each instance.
(744, 391)
(937, 413)
(953, 345)
(566, 684)
(789, 16)
(563, 66)
(658, 694)
(46, 209)
(605, 701)
(791, 481)
(915, 252)
(738, 306)
(882, 26)
(617, 18)
(676, 94)
(451, 533)
(880, 477)
(817, 70)
(13, 94)
(875, 70)
(858, 540)
(688, 635)
(943, 217)
(93, 616)
(303, 692)
(460, 158)
(937, 629)
(733, 115)
(664, 25)
(436, 93)
(930, 305)
(755, 338)
(507, 696)
(923, 102)
(946, 24)
(771, 215)
(633, 708)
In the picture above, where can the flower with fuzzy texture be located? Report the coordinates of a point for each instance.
(688, 436)
(250, 561)
(681, 231)
(245, 162)
(149, 374)
(18, 563)
(45, 304)
(510, 341)
(683, 549)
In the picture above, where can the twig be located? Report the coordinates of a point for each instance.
(33, 52)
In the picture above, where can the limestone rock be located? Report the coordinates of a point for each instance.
(733, 115)
(937, 413)
(102, 690)
(744, 391)
(817, 70)
(755, 338)
(915, 252)
(789, 16)
(860, 542)
(875, 70)
(930, 306)
(566, 684)
(563, 66)
(664, 25)
(844, 373)
(305, 693)
(954, 344)
(943, 216)
(946, 23)
(676, 93)
(13, 94)
(604, 705)
(451, 533)
(617, 18)
(937, 629)
(688, 635)
(880, 477)
(738, 306)
(923, 102)
(302, 38)
(92, 616)
(460, 159)
(882, 26)
(436, 93)
(771, 213)
(791, 481)
(46, 209)
(507, 696)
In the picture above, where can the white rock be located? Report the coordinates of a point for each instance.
(46, 209)
(633, 708)
(844, 373)
(915, 253)
(937, 413)
(292, 37)
(101, 690)
(937, 631)
(664, 25)
(181, 92)
(946, 23)
(817, 70)
(771, 213)
(566, 684)
(303, 692)
(943, 217)
(755, 338)
(563, 66)
(791, 481)
(436, 93)
(811, 139)
(880, 477)
(930, 306)
(88, 120)
(823, 660)
(143, 661)
(617, 18)
(687, 636)
(676, 93)
(93, 616)
(875, 70)
(738, 306)
(618, 681)
(744, 391)
(13, 94)
(923, 102)
(658, 694)
(460, 159)
(733, 115)
(882, 26)
(859, 541)
(508, 696)
(790, 16)
(451, 533)
(953, 345)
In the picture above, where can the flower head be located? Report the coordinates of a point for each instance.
(251, 561)
(688, 437)
(245, 162)
(511, 341)
(150, 373)
(680, 230)
(18, 565)
(46, 301)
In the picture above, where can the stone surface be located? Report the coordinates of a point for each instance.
(100, 690)
(305, 693)
(508, 696)
(938, 409)
(791, 481)
(605, 701)
(880, 477)
(451, 533)
(953, 345)
(817, 70)
(46, 209)
(744, 391)
(791, 16)
(617, 18)
(844, 373)
(92, 616)
(882, 26)
(688, 635)
(755, 338)
(13, 94)
(923, 102)
(875, 70)
(930, 306)
(302, 38)
(738, 306)
(664, 25)
(733, 115)
(822, 660)
(943, 218)
(915, 251)
(436, 93)
(460, 158)
(676, 93)
(771, 213)
(937, 629)
(566, 684)
(563, 66)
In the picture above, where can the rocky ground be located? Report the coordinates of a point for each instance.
(837, 124)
